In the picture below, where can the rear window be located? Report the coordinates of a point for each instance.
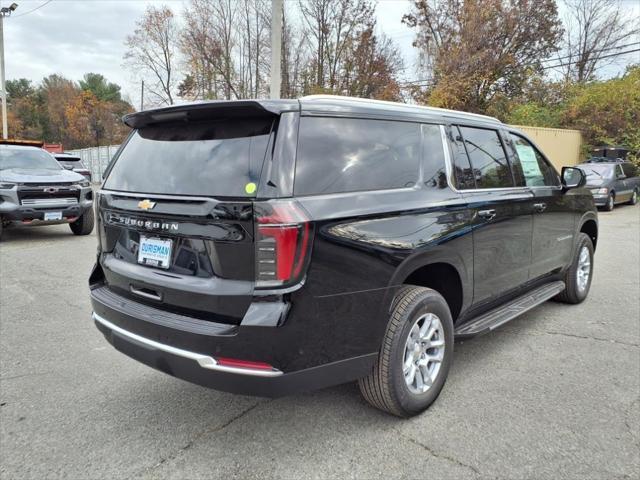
(346, 155)
(208, 159)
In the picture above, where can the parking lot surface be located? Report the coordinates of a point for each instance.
(553, 394)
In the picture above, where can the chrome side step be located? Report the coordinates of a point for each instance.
(504, 313)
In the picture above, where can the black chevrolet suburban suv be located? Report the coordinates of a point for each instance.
(266, 247)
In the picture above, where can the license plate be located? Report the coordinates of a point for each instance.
(154, 252)
(52, 216)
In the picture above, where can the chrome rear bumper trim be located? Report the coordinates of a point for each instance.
(204, 361)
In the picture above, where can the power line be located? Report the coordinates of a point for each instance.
(619, 47)
(603, 56)
(426, 82)
(33, 9)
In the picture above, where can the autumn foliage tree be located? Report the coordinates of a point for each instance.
(341, 53)
(152, 52)
(225, 44)
(328, 46)
(59, 110)
(476, 50)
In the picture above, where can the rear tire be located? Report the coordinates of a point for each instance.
(634, 197)
(84, 224)
(390, 386)
(611, 202)
(577, 285)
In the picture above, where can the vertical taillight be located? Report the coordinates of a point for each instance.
(283, 241)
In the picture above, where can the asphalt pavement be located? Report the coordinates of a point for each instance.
(553, 394)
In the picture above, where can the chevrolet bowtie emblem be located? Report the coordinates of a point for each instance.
(146, 204)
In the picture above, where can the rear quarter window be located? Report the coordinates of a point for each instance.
(338, 155)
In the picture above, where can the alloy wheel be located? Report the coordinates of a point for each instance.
(423, 353)
(584, 269)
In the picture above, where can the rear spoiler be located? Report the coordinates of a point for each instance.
(212, 110)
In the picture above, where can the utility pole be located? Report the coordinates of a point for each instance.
(276, 48)
(4, 12)
(142, 96)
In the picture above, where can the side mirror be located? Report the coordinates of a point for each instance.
(573, 178)
(621, 176)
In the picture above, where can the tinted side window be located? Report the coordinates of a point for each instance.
(348, 155)
(537, 172)
(465, 178)
(629, 170)
(488, 159)
(435, 174)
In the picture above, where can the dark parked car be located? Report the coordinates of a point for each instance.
(267, 247)
(612, 183)
(73, 162)
(36, 190)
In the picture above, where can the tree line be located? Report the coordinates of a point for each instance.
(519, 60)
(59, 110)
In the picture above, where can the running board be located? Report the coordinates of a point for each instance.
(504, 313)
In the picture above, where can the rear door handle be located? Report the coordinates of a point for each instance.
(540, 207)
(487, 214)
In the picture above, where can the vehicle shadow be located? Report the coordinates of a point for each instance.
(342, 403)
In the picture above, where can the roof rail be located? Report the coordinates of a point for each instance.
(442, 111)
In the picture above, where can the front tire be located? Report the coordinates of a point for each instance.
(579, 275)
(416, 354)
(611, 202)
(84, 224)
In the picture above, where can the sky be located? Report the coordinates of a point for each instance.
(73, 37)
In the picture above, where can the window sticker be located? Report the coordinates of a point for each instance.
(529, 162)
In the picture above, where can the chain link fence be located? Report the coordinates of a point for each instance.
(96, 159)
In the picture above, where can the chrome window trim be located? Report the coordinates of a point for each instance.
(204, 361)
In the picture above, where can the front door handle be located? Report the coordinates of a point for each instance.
(487, 214)
(540, 207)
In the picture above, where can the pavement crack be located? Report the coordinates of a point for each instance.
(200, 435)
(439, 455)
(586, 337)
(633, 433)
(37, 374)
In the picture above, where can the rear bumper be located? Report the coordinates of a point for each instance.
(188, 350)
